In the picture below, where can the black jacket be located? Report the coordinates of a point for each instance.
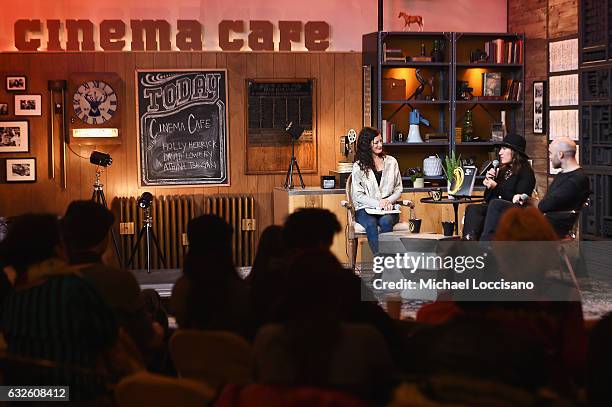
(523, 182)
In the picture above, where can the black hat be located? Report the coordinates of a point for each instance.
(515, 142)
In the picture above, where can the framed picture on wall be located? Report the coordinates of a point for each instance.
(21, 170)
(14, 136)
(28, 105)
(15, 83)
(539, 107)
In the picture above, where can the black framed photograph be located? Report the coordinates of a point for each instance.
(21, 170)
(539, 107)
(14, 136)
(15, 83)
(28, 105)
(4, 109)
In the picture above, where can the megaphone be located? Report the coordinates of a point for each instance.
(414, 134)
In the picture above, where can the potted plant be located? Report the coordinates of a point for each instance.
(452, 171)
(418, 180)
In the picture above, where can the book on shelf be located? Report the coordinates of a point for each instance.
(388, 130)
(485, 98)
(504, 52)
(513, 92)
(419, 59)
(491, 84)
(393, 54)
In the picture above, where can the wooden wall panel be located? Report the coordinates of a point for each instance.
(540, 20)
(562, 18)
(338, 100)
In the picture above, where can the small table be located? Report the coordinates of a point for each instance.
(455, 202)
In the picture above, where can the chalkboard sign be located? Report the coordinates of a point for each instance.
(182, 126)
(271, 106)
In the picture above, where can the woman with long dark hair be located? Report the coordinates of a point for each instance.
(376, 183)
(514, 176)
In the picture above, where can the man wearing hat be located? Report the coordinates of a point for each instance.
(514, 176)
(568, 191)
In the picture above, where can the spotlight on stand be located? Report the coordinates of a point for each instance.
(102, 159)
(145, 200)
(295, 132)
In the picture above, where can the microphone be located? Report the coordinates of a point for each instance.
(495, 164)
(523, 198)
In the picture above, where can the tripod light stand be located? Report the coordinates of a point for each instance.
(145, 201)
(295, 131)
(102, 160)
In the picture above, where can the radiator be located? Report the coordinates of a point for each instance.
(171, 214)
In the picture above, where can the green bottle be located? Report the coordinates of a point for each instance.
(467, 131)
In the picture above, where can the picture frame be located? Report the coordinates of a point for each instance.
(28, 105)
(491, 84)
(16, 83)
(4, 109)
(539, 107)
(14, 136)
(21, 169)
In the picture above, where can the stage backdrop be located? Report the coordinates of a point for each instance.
(348, 20)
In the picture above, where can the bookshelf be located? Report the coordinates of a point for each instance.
(389, 56)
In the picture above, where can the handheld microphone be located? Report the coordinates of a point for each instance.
(495, 164)
(523, 198)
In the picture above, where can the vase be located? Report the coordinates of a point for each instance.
(432, 166)
(419, 182)
(448, 189)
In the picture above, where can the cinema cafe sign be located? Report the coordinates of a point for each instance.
(159, 35)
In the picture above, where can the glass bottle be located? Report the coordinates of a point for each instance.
(467, 130)
(436, 52)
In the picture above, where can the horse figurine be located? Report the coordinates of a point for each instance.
(408, 19)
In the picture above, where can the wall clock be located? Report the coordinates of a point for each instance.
(95, 102)
(94, 108)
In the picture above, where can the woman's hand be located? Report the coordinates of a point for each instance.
(492, 173)
(489, 183)
(385, 204)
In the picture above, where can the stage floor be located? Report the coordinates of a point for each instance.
(597, 297)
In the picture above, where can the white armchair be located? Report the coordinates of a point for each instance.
(355, 231)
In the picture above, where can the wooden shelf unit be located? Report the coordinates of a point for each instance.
(445, 112)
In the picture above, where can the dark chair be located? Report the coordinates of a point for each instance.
(566, 223)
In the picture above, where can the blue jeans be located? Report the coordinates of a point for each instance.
(371, 223)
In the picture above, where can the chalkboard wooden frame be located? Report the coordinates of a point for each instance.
(190, 146)
(274, 159)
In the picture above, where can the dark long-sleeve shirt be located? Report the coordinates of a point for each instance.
(523, 182)
(567, 192)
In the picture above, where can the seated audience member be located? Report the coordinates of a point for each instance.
(314, 345)
(270, 250)
(599, 360)
(314, 228)
(514, 176)
(210, 294)
(309, 228)
(555, 328)
(52, 313)
(85, 229)
(268, 275)
(568, 191)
